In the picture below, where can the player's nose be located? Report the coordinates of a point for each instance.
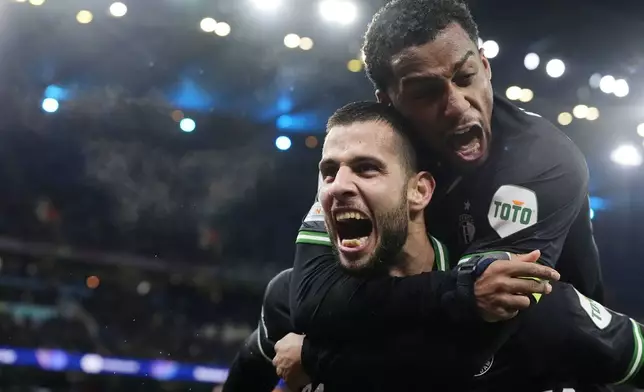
(343, 186)
(455, 103)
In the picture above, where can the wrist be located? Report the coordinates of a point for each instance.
(309, 357)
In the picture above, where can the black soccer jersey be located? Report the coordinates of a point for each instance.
(532, 193)
(565, 340)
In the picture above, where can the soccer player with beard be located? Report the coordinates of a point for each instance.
(507, 180)
(565, 337)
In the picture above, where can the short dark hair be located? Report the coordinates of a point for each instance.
(401, 24)
(364, 111)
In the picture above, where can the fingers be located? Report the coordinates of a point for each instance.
(526, 286)
(515, 268)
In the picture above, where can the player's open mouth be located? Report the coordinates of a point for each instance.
(354, 230)
(467, 142)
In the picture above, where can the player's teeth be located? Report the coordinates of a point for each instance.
(350, 215)
(354, 242)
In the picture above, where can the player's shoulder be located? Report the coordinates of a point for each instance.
(277, 289)
(535, 147)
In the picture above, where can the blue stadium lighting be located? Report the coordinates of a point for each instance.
(50, 105)
(187, 125)
(283, 143)
(592, 214)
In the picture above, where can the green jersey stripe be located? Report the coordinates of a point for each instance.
(305, 237)
(636, 360)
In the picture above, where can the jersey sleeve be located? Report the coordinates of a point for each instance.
(251, 371)
(591, 342)
(535, 208)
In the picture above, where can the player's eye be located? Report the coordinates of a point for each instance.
(366, 169)
(328, 173)
(464, 80)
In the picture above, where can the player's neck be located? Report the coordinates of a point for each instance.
(417, 255)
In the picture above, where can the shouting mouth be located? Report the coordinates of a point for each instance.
(467, 142)
(354, 230)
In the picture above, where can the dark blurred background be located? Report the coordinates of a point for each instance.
(156, 158)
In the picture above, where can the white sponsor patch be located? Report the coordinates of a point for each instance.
(599, 314)
(513, 208)
(316, 213)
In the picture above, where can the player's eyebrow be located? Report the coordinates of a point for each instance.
(434, 78)
(331, 162)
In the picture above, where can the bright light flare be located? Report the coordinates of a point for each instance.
(208, 25)
(283, 143)
(564, 118)
(607, 84)
(491, 49)
(526, 95)
(555, 68)
(626, 155)
(513, 93)
(580, 111)
(187, 125)
(621, 88)
(50, 105)
(292, 41)
(84, 17)
(531, 61)
(222, 29)
(306, 43)
(118, 9)
(640, 130)
(338, 11)
(593, 114)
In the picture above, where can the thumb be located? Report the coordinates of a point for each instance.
(531, 257)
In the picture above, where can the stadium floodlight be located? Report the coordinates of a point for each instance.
(283, 143)
(594, 80)
(267, 5)
(607, 84)
(555, 68)
(526, 95)
(36, 2)
(292, 41)
(513, 93)
(621, 88)
(491, 49)
(564, 118)
(593, 114)
(208, 25)
(222, 29)
(118, 9)
(50, 105)
(338, 11)
(531, 61)
(187, 125)
(84, 17)
(580, 111)
(306, 43)
(626, 155)
(640, 130)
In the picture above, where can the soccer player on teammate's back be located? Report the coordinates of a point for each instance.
(507, 180)
(565, 337)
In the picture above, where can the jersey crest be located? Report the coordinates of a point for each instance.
(466, 225)
(513, 208)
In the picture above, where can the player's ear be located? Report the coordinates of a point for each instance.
(382, 97)
(421, 192)
(486, 64)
